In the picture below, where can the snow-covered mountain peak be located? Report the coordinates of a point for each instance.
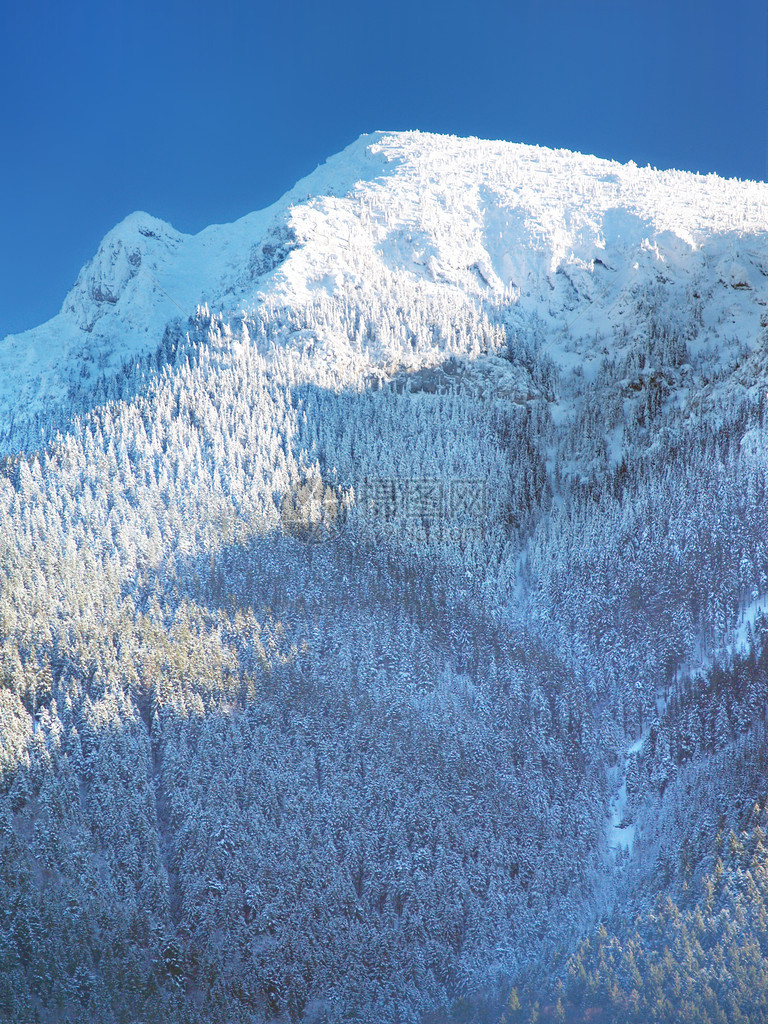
(123, 267)
(536, 236)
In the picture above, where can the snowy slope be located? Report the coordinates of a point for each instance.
(559, 241)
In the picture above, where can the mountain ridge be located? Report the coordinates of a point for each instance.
(546, 229)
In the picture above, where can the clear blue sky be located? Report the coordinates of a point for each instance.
(200, 112)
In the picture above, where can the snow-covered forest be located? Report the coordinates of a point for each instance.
(377, 628)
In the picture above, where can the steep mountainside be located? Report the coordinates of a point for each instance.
(550, 238)
(382, 581)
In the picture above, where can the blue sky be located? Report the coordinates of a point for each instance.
(200, 112)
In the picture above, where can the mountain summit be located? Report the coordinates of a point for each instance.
(550, 235)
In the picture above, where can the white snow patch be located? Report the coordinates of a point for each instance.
(620, 835)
